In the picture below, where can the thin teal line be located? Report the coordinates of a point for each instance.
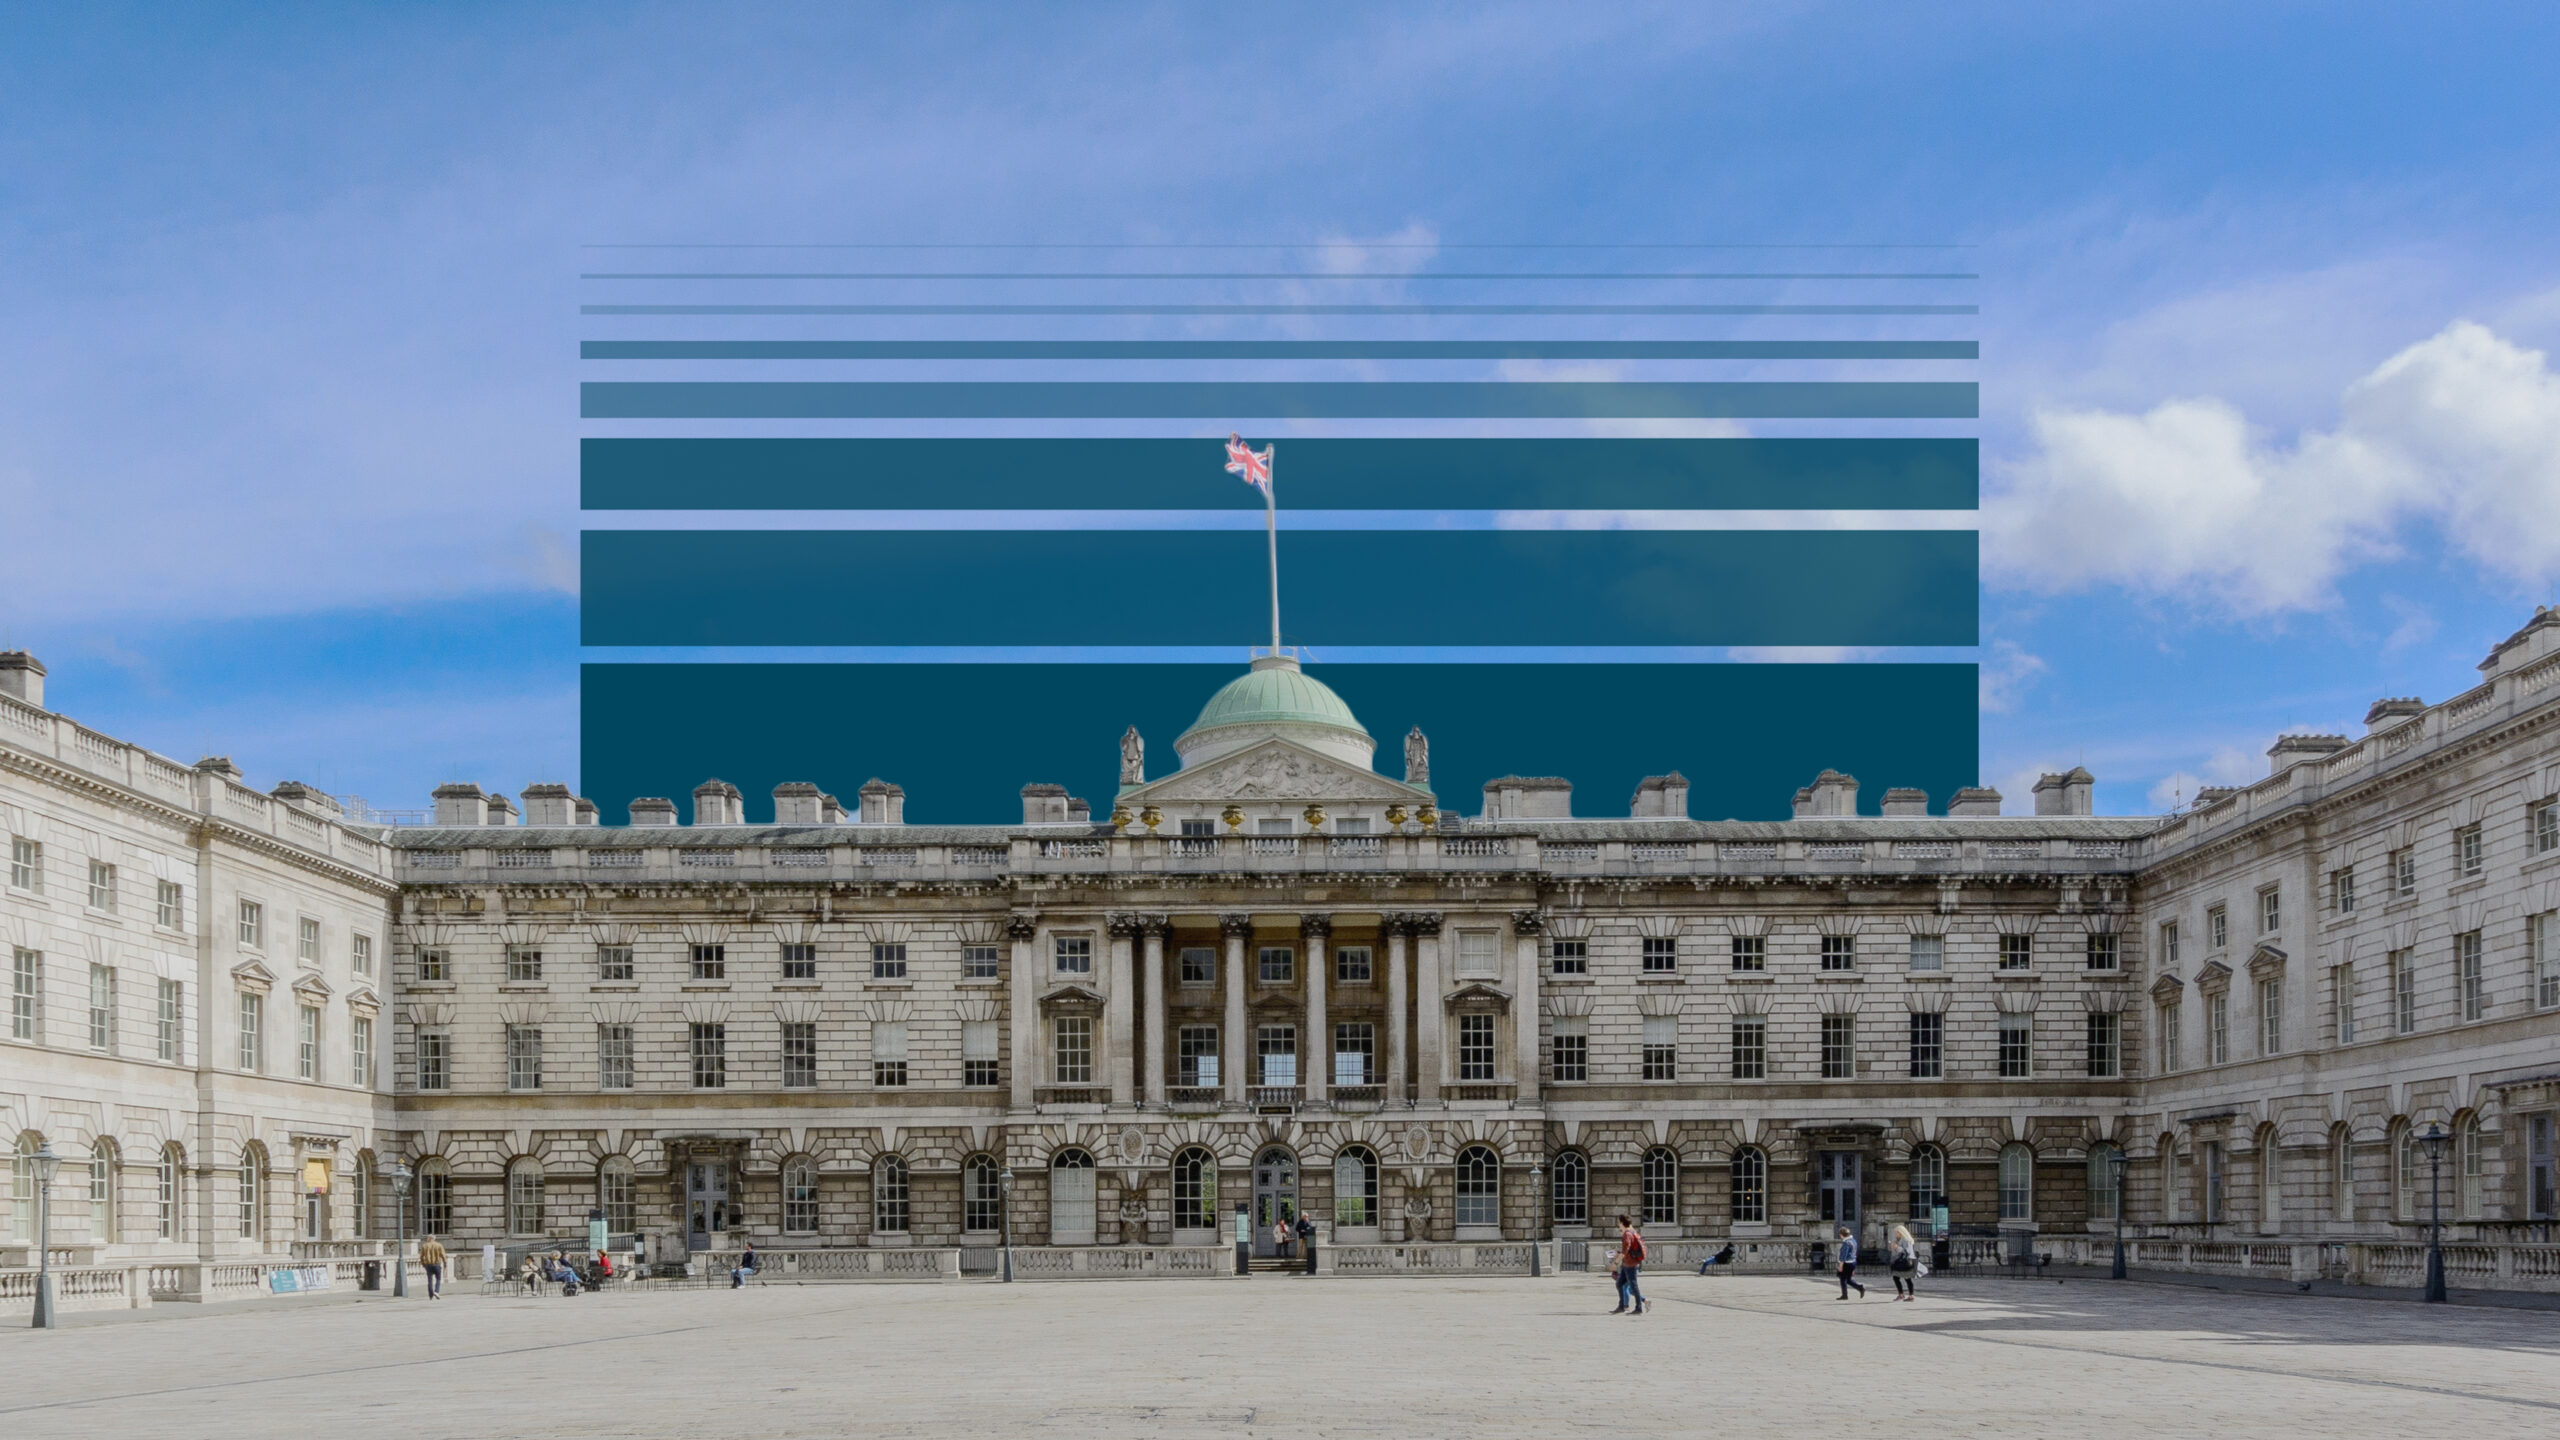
(1276, 275)
(1236, 401)
(1279, 350)
(1279, 309)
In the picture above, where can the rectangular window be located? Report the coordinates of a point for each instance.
(1196, 1057)
(435, 1203)
(360, 1052)
(1479, 954)
(1475, 1047)
(2466, 975)
(26, 995)
(2100, 953)
(524, 964)
(709, 1045)
(978, 1053)
(2342, 890)
(2217, 928)
(306, 1042)
(2468, 854)
(2546, 959)
(102, 886)
(1661, 1047)
(1839, 1047)
(2404, 992)
(360, 954)
(888, 962)
(1661, 954)
(800, 962)
(306, 941)
(1352, 965)
(2404, 873)
(977, 962)
(1569, 957)
(253, 1038)
(1751, 953)
(173, 996)
(1071, 1039)
(799, 1055)
(1839, 952)
(1750, 1047)
(1569, 1050)
(2017, 1047)
(26, 866)
(2017, 952)
(435, 964)
(2217, 1029)
(1928, 954)
(2169, 944)
(1355, 1048)
(253, 924)
(1928, 1045)
(2270, 910)
(2342, 1002)
(889, 1053)
(102, 1008)
(435, 1060)
(613, 962)
(2271, 1017)
(710, 962)
(1275, 1055)
(1072, 954)
(1199, 965)
(171, 910)
(1276, 964)
(613, 1057)
(2546, 827)
(2172, 1021)
(2106, 1054)
(524, 1057)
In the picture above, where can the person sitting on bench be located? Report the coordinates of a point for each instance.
(747, 1265)
(1721, 1257)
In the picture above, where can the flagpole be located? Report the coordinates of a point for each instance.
(1271, 534)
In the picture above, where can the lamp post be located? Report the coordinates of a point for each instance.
(400, 1231)
(2116, 1161)
(1004, 1187)
(47, 1163)
(2434, 1141)
(1537, 1223)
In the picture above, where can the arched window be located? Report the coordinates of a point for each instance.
(2408, 1172)
(889, 1195)
(2270, 1182)
(360, 1196)
(2103, 1199)
(103, 1164)
(173, 1164)
(1195, 1190)
(1355, 1187)
(435, 1196)
(981, 1196)
(2466, 1165)
(22, 1187)
(253, 1192)
(616, 1195)
(1928, 1183)
(2017, 1182)
(1573, 1189)
(1661, 1186)
(1071, 1199)
(799, 1196)
(1479, 1186)
(1750, 1186)
(2342, 1173)
(524, 1196)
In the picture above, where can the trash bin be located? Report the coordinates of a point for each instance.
(1813, 1257)
(1939, 1251)
(372, 1277)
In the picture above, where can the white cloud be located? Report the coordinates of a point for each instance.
(2183, 502)
(2227, 765)
(2006, 672)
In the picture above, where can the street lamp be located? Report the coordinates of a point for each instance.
(1004, 1186)
(2116, 1162)
(47, 1163)
(1538, 1224)
(2434, 1139)
(400, 1231)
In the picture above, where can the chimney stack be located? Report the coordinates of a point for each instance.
(883, 803)
(797, 802)
(2070, 793)
(1905, 801)
(653, 810)
(1831, 793)
(1044, 804)
(22, 677)
(1661, 797)
(717, 802)
(1973, 801)
(455, 804)
(548, 804)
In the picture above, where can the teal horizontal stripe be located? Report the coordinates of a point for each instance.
(1260, 399)
(1473, 474)
(963, 740)
(1344, 587)
(1276, 275)
(1279, 309)
(1279, 350)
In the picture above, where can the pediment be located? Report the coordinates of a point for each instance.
(363, 1001)
(312, 987)
(1072, 997)
(253, 977)
(1275, 770)
(1477, 995)
(2213, 978)
(2266, 962)
(2167, 988)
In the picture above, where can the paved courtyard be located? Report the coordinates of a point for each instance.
(1283, 1356)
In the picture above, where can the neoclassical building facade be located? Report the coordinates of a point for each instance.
(1273, 979)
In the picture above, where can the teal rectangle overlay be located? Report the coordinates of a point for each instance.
(1529, 474)
(1341, 587)
(1255, 399)
(963, 739)
(1279, 350)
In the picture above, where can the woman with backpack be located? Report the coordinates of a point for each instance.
(1627, 1265)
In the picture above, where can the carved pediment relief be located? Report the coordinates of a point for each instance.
(253, 977)
(312, 989)
(362, 1001)
(2214, 978)
(2266, 963)
(2167, 989)
(1275, 770)
(1477, 995)
(1072, 998)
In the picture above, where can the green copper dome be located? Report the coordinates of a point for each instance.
(1275, 697)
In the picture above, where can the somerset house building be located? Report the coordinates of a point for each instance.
(1273, 978)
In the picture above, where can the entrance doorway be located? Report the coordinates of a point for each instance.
(1275, 1197)
(1836, 1176)
(706, 1202)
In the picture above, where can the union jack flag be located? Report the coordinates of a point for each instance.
(1252, 466)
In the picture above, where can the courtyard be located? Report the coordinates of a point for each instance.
(1281, 1355)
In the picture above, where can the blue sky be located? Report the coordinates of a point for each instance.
(287, 446)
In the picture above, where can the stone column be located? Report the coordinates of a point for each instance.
(1312, 933)
(1120, 1008)
(1429, 987)
(1235, 1047)
(1022, 993)
(1154, 1049)
(1526, 926)
(1399, 930)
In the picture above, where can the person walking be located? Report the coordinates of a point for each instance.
(1849, 1264)
(1905, 1265)
(431, 1256)
(1629, 1267)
